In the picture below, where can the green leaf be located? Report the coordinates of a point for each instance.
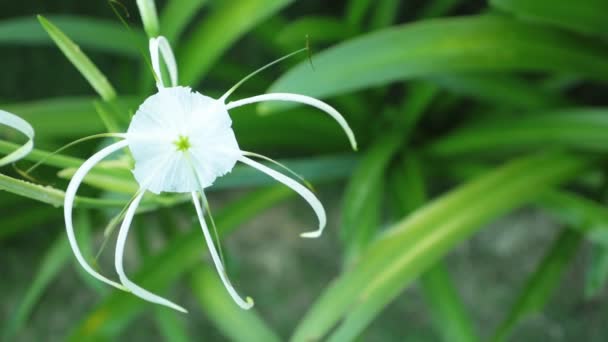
(584, 215)
(171, 325)
(52, 262)
(85, 31)
(437, 8)
(320, 30)
(455, 45)
(235, 323)
(393, 261)
(181, 255)
(448, 311)
(582, 128)
(500, 89)
(596, 273)
(97, 80)
(543, 282)
(227, 22)
(385, 13)
(176, 15)
(72, 116)
(587, 17)
(449, 314)
(149, 17)
(356, 10)
(362, 203)
(54, 197)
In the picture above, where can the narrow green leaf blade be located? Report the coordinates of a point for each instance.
(235, 323)
(587, 17)
(542, 282)
(52, 262)
(228, 21)
(176, 15)
(73, 53)
(85, 31)
(581, 128)
(415, 243)
(465, 44)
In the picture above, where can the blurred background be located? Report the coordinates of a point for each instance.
(480, 173)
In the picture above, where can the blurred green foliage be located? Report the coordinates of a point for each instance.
(466, 112)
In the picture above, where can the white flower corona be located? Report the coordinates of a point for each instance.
(181, 142)
(190, 135)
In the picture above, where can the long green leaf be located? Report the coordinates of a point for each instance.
(448, 311)
(235, 323)
(582, 128)
(543, 282)
(157, 273)
(52, 262)
(415, 243)
(362, 203)
(596, 273)
(71, 116)
(442, 46)
(588, 16)
(176, 15)
(228, 21)
(92, 33)
(73, 53)
(149, 17)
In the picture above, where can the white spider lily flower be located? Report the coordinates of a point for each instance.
(15, 122)
(182, 141)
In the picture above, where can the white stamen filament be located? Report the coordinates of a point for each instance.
(216, 259)
(281, 165)
(312, 200)
(22, 126)
(289, 97)
(161, 43)
(70, 196)
(118, 260)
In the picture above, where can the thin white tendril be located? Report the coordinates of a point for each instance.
(73, 143)
(118, 261)
(246, 78)
(311, 101)
(161, 44)
(312, 200)
(22, 126)
(281, 165)
(248, 302)
(70, 195)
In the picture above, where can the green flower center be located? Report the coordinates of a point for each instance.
(182, 143)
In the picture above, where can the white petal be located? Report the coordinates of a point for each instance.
(162, 44)
(215, 257)
(118, 260)
(311, 101)
(22, 126)
(70, 195)
(297, 187)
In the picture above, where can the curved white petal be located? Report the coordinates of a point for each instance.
(118, 260)
(297, 187)
(70, 196)
(161, 44)
(216, 259)
(22, 126)
(311, 101)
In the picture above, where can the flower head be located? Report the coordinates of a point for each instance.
(181, 142)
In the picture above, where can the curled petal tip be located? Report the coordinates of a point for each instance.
(180, 309)
(311, 235)
(250, 303)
